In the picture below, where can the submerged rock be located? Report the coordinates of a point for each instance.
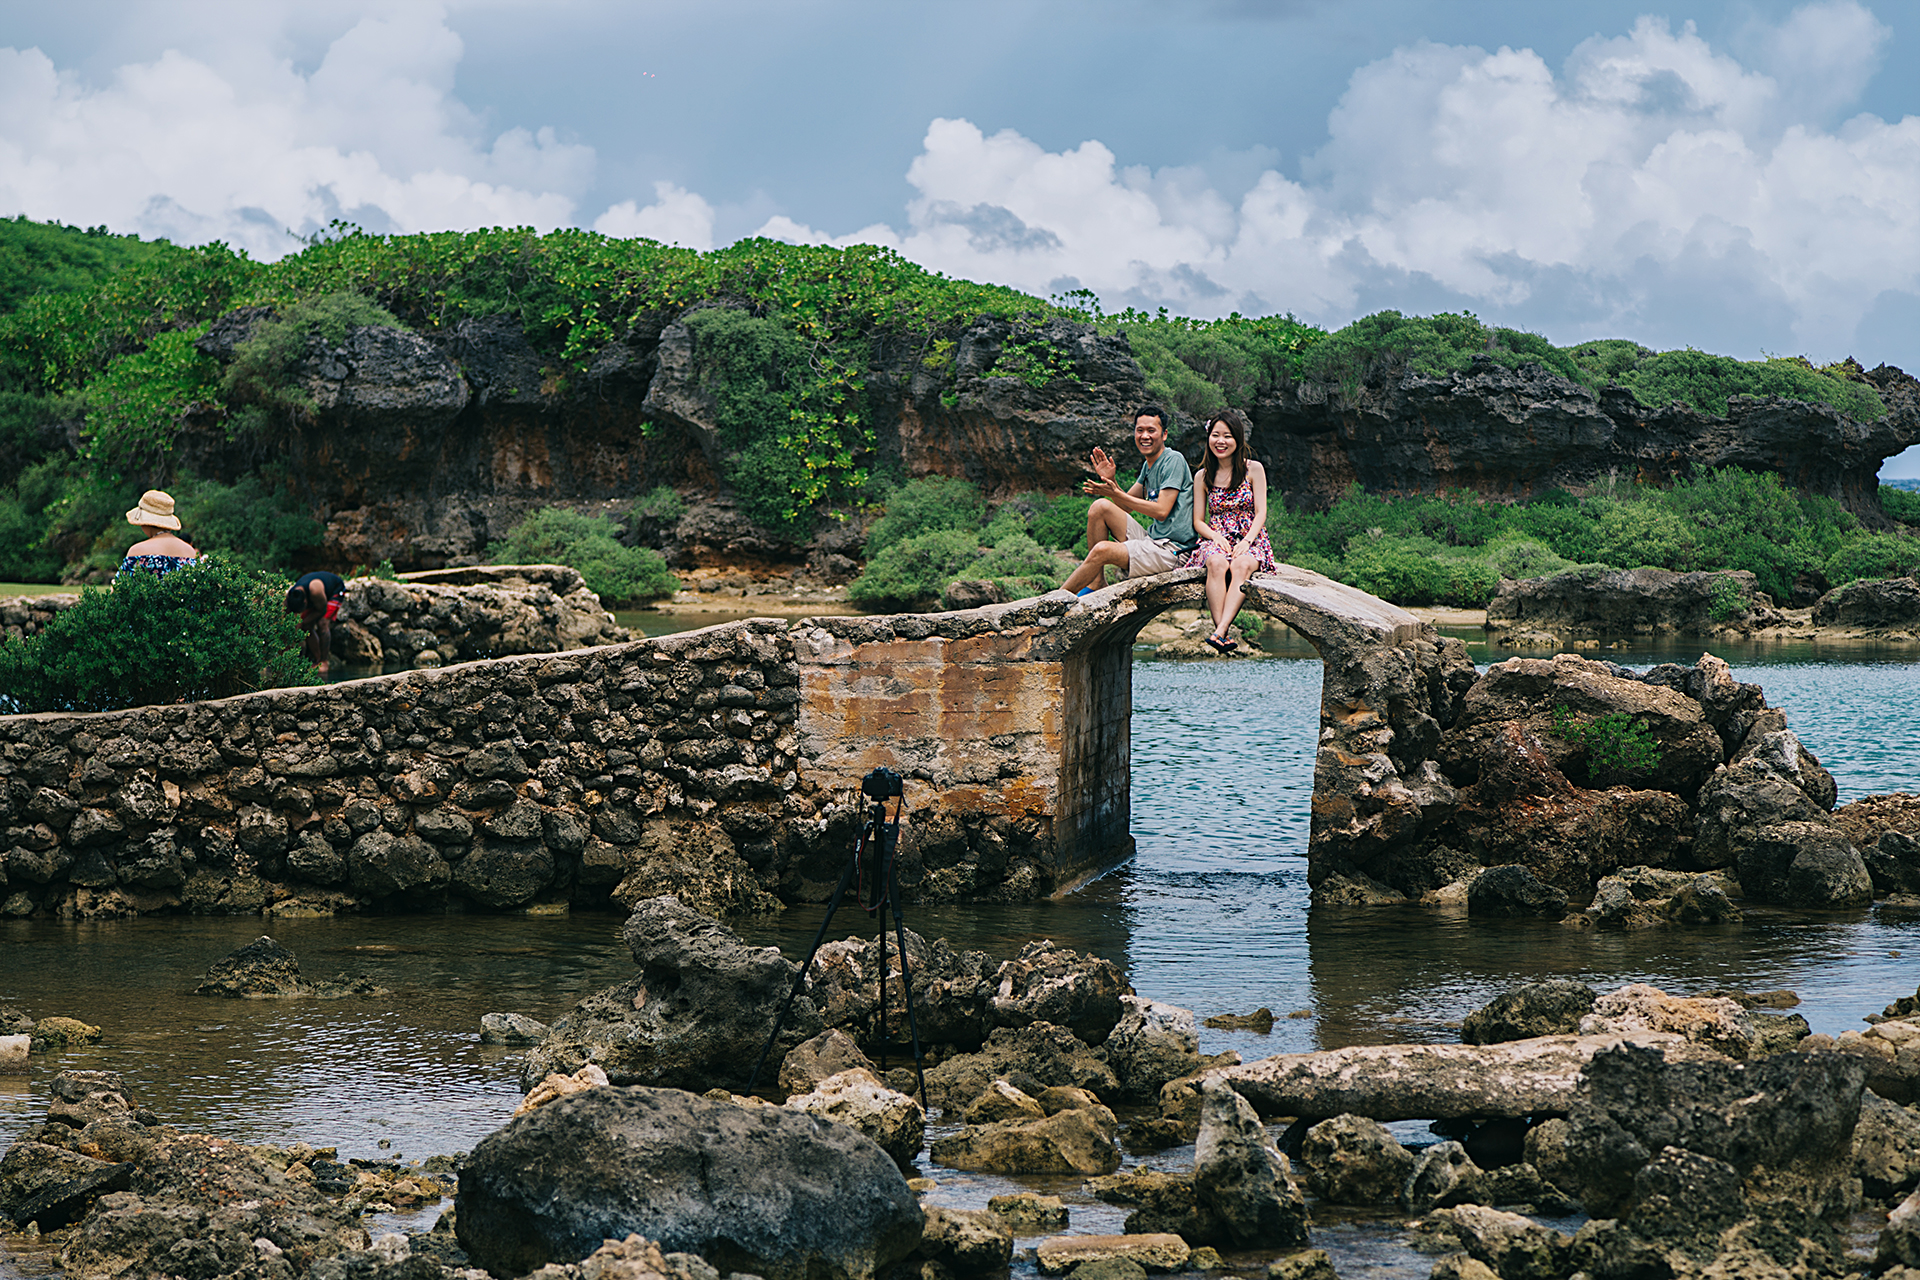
(1550, 1008)
(1353, 1160)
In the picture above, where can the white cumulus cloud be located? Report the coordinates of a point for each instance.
(245, 148)
(1648, 169)
(676, 216)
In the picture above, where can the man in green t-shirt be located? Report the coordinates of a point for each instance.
(1163, 495)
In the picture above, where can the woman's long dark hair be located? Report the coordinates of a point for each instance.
(1236, 423)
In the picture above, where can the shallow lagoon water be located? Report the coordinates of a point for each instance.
(1212, 913)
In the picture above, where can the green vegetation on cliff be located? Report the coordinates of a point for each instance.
(1453, 549)
(621, 576)
(99, 367)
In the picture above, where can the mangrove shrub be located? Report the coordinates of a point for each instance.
(207, 630)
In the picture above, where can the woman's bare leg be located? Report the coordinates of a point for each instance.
(1217, 593)
(1236, 583)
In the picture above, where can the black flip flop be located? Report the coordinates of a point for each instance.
(1219, 645)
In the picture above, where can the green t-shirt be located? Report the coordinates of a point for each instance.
(1170, 471)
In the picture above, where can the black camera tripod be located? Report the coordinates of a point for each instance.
(873, 868)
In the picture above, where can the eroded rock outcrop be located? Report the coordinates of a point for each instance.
(765, 1190)
(1611, 602)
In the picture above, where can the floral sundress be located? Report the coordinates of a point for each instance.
(158, 566)
(1230, 512)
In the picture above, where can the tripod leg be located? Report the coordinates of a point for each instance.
(833, 904)
(906, 978)
(880, 1019)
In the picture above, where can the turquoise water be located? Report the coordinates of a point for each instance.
(1212, 914)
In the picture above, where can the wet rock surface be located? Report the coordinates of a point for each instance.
(1550, 1008)
(765, 1190)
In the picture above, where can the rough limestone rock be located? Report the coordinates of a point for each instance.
(1443, 1174)
(698, 1014)
(1512, 1246)
(1076, 1141)
(1161, 1203)
(1553, 1007)
(1354, 1160)
(1886, 1148)
(1886, 830)
(1871, 603)
(1785, 1124)
(763, 1189)
(827, 1054)
(857, 1099)
(1026, 1213)
(261, 969)
(965, 1241)
(1545, 1148)
(1641, 601)
(1530, 692)
(53, 1186)
(1435, 1081)
(961, 996)
(1152, 1044)
(1899, 1242)
(1712, 1021)
(1514, 892)
(511, 1028)
(1000, 1102)
(1047, 983)
(1046, 1054)
(950, 988)
(1241, 1176)
(1647, 898)
(1159, 1252)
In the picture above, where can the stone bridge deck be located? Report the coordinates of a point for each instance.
(718, 764)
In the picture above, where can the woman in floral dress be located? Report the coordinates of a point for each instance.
(1230, 515)
(163, 549)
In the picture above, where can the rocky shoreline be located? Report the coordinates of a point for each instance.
(1681, 1136)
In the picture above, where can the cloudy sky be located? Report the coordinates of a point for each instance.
(1741, 176)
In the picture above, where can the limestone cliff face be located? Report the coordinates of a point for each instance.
(1513, 434)
(423, 448)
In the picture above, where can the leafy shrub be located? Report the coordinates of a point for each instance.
(1874, 555)
(924, 506)
(662, 504)
(1617, 745)
(1417, 571)
(1725, 601)
(914, 570)
(250, 523)
(133, 409)
(1251, 624)
(1019, 565)
(206, 630)
(1010, 521)
(1518, 556)
(264, 363)
(1900, 504)
(619, 575)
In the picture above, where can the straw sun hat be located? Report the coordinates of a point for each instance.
(155, 511)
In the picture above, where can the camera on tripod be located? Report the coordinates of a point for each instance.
(873, 872)
(883, 784)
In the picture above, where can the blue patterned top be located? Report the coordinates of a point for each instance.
(158, 566)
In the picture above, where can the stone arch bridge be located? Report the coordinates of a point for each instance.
(717, 764)
(1022, 713)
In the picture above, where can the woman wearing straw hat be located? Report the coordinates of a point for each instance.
(163, 550)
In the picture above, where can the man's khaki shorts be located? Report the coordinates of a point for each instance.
(1149, 555)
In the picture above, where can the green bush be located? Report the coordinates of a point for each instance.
(1874, 555)
(250, 522)
(1900, 504)
(206, 630)
(1514, 555)
(1019, 566)
(1417, 571)
(264, 364)
(621, 576)
(662, 504)
(915, 570)
(1618, 746)
(925, 506)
